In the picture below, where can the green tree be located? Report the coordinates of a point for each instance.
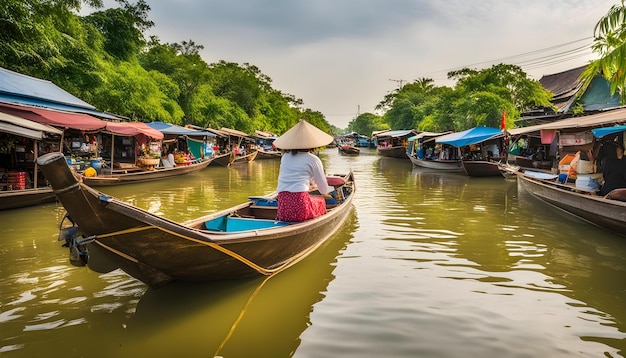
(610, 44)
(403, 112)
(45, 39)
(182, 63)
(123, 28)
(315, 118)
(366, 123)
(482, 96)
(133, 92)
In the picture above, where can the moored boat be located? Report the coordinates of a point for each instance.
(439, 164)
(601, 211)
(481, 168)
(243, 158)
(480, 148)
(13, 199)
(393, 144)
(23, 139)
(348, 150)
(222, 159)
(268, 154)
(244, 240)
(423, 152)
(138, 175)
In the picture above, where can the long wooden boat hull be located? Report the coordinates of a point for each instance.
(13, 199)
(348, 150)
(481, 168)
(392, 152)
(447, 165)
(157, 251)
(144, 176)
(602, 212)
(264, 154)
(222, 160)
(247, 158)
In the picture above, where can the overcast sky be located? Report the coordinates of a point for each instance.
(341, 57)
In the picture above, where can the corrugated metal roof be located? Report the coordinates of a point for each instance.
(395, 134)
(615, 116)
(17, 85)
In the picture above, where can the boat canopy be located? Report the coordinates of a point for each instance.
(55, 118)
(25, 128)
(601, 132)
(173, 129)
(615, 116)
(236, 133)
(132, 129)
(426, 134)
(395, 134)
(264, 135)
(470, 136)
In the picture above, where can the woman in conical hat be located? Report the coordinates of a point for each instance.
(298, 168)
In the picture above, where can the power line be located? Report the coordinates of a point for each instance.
(523, 60)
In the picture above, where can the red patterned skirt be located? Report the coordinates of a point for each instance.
(299, 206)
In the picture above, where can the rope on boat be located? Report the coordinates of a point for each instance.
(236, 256)
(215, 246)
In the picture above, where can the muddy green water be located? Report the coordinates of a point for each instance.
(428, 264)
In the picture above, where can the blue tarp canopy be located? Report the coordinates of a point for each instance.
(172, 129)
(601, 132)
(470, 136)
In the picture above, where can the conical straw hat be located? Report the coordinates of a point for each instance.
(303, 136)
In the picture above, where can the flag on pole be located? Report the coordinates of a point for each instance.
(503, 125)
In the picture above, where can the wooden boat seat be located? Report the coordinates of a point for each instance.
(237, 224)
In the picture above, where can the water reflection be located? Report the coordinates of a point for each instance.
(241, 318)
(428, 265)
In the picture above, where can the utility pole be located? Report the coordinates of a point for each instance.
(399, 82)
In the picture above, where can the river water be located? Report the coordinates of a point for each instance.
(428, 264)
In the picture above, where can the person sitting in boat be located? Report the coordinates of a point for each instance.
(298, 168)
(613, 169)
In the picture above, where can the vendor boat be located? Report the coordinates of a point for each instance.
(245, 240)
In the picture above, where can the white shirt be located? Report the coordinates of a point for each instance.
(297, 171)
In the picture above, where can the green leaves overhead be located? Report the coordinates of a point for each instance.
(610, 44)
(104, 59)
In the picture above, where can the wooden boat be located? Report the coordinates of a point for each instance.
(600, 211)
(244, 240)
(481, 168)
(246, 158)
(138, 175)
(268, 154)
(439, 164)
(20, 189)
(12, 199)
(392, 152)
(348, 150)
(423, 152)
(222, 160)
(393, 144)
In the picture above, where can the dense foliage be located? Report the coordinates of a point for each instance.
(104, 59)
(610, 44)
(479, 98)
